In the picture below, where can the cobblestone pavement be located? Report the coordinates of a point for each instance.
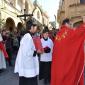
(9, 78)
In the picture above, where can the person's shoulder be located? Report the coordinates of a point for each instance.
(50, 40)
(27, 35)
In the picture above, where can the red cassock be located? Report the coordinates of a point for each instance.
(68, 57)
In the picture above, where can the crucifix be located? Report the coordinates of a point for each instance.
(25, 15)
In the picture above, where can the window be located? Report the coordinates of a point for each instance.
(82, 1)
(38, 15)
(26, 7)
(20, 3)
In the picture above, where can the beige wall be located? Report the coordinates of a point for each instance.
(9, 11)
(71, 9)
(45, 19)
(12, 11)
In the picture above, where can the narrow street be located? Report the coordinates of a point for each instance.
(52, 29)
(9, 78)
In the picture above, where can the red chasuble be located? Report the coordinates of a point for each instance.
(68, 57)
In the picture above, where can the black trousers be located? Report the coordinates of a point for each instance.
(9, 52)
(28, 81)
(45, 70)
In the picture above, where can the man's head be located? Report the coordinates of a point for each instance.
(30, 26)
(66, 22)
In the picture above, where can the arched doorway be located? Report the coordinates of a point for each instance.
(77, 23)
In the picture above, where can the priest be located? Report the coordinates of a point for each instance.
(68, 56)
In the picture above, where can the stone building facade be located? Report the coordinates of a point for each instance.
(73, 9)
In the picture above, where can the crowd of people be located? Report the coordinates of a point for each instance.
(27, 43)
(56, 57)
(34, 56)
(10, 40)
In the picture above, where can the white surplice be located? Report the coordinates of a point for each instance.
(27, 65)
(46, 57)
